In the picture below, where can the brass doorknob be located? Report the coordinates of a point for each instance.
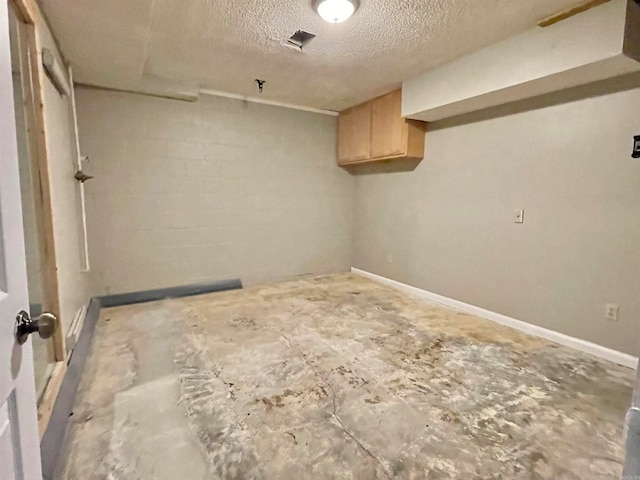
(45, 324)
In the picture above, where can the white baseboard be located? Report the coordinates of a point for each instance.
(560, 338)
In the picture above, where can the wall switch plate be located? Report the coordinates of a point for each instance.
(389, 258)
(611, 311)
(518, 217)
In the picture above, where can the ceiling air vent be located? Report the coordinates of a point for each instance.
(299, 39)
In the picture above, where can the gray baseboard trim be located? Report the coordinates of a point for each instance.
(172, 292)
(52, 442)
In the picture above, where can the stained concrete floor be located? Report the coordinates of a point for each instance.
(337, 377)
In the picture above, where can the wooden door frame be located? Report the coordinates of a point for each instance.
(33, 100)
(33, 103)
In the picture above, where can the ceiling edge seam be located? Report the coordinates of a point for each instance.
(218, 93)
(183, 97)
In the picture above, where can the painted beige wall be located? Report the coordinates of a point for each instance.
(31, 247)
(73, 284)
(195, 192)
(449, 225)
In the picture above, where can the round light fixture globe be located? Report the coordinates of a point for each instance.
(335, 11)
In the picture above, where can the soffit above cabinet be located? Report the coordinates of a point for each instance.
(600, 43)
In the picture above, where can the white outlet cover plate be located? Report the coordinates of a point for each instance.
(518, 217)
(611, 311)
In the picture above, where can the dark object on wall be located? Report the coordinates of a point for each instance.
(82, 177)
(636, 144)
(260, 84)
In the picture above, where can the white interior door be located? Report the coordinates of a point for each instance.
(19, 440)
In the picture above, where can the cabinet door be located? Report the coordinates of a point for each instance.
(388, 128)
(361, 140)
(345, 135)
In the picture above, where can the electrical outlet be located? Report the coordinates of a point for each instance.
(611, 311)
(518, 217)
(389, 258)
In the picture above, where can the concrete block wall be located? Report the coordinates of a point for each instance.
(221, 188)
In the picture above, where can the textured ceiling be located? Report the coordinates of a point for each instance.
(182, 45)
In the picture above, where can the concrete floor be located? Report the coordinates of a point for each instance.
(337, 377)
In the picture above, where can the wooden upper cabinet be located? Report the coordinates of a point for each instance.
(388, 128)
(345, 135)
(354, 134)
(361, 140)
(375, 131)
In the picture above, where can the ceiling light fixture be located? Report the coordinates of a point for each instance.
(335, 11)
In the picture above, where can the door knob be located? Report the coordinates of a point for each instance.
(45, 324)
